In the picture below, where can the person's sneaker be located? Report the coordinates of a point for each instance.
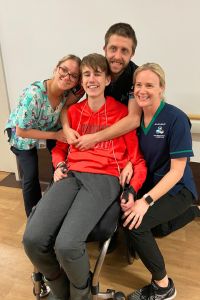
(45, 289)
(154, 292)
(39, 283)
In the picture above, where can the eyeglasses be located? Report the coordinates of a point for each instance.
(64, 72)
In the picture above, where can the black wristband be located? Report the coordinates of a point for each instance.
(128, 189)
(148, 199)
(132, 191)
(61, 165)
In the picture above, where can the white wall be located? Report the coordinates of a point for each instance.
(196, 140)
(7, 159)
(196, 147)
(35, 34)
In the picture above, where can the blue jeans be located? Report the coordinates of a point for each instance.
(28, 162)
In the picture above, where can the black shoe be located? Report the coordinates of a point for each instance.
(154, 292)
(39, 283)
(45, 289)
(113, 243)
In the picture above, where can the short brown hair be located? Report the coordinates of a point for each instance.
(122, 29)
(96, 61)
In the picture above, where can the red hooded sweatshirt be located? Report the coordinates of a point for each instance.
(108, 157)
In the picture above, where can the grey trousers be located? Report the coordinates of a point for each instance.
(58, 227)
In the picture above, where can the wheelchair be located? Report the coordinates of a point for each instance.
(101, 232)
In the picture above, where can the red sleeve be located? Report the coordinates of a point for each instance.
(137, 160)
(59, 153)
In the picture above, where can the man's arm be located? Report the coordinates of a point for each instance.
(128, 123)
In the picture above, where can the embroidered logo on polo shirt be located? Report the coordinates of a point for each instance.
(159, 130)
(160, 133)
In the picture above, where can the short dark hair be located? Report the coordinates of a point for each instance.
(96, 61)
(122, 29)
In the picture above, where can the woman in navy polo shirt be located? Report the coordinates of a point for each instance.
(169, 190)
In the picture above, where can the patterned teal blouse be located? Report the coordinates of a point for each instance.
(34, 111)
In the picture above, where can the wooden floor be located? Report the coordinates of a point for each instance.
(181, 251)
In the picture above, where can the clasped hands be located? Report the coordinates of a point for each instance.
(84, 142)
(60, 173)
(133, 210)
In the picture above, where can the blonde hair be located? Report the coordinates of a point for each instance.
(155, 68)
(67, 57)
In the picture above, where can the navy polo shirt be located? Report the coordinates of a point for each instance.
(122, 88)
(167, 136)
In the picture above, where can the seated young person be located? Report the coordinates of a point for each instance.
(86, 184)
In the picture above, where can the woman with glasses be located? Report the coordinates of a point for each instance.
(35, 121)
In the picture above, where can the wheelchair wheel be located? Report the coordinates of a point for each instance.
(119, 296)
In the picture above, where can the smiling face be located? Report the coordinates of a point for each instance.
(118, 51)
(67, 74)
(148, 91)
(94, 82)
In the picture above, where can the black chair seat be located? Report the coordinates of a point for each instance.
(107, 224)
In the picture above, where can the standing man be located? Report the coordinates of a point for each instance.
(120, 45)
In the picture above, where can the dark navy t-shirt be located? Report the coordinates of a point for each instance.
(122, 88)
(167, 136)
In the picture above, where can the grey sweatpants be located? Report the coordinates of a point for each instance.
(57, 229)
